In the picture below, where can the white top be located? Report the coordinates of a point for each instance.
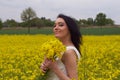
(75, 49)
(52, 75)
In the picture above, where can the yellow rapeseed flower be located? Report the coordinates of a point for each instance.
(53, 49)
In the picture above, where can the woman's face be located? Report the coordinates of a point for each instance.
(61, 29)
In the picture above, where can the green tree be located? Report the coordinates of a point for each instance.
(27, 15)
(90, 21)
(1, 24)
(100, 19)
(10, 23)
(37, 22)
(47, 22)
(109, 21)
(82, 22)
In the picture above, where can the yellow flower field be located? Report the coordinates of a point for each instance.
(20, 57)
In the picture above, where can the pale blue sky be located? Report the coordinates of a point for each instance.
(79, 9)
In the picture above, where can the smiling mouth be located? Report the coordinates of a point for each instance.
(57, 32)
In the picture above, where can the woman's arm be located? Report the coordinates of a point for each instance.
(69, 60)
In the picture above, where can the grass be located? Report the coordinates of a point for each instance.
(84, 31)
(25, 31)
(100, 31)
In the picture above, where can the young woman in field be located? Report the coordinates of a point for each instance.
(67, 31)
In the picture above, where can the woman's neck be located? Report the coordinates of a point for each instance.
(67, 42)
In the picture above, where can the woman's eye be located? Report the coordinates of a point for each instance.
(54, 25)
(61, 24)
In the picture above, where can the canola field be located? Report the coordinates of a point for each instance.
(20, 57)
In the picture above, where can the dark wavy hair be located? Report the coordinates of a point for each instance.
(75, 33)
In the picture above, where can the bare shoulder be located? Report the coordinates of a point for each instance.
(70, 62)
(69, 52)
(69, 55)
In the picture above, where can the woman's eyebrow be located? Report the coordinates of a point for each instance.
(60, 22)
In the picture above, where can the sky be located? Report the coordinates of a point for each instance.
(79, 9)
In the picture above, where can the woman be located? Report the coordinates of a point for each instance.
(67, 31)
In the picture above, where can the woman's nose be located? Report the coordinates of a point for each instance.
(56, 28)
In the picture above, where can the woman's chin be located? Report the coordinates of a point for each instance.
(57, 36)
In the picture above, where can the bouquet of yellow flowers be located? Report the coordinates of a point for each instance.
(53, 49)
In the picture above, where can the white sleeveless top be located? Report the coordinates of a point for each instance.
(52, 75)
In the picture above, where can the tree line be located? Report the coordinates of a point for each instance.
(29, 19)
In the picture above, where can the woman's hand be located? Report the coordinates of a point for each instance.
(44, 66)
(48, 64)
